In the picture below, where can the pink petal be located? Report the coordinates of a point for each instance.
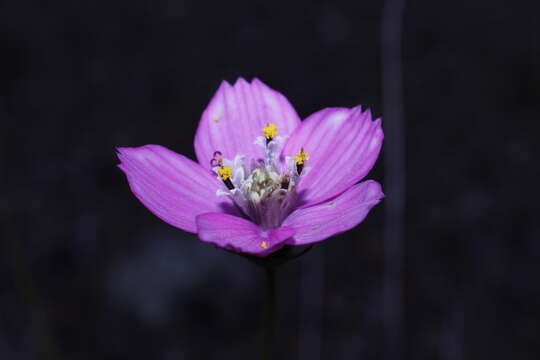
(240, 235)
(235, 117)
(173, 187)
(321, 221)
(343, 145)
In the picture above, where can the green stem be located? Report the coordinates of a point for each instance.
(270, 310)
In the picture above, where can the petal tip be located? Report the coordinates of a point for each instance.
(240, 81)
(224, 83)
(257, 81)
(122, 150)
(374, 190)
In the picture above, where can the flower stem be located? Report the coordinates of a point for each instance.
(270, 310)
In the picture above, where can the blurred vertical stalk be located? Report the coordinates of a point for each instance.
(451, 342)
(270, 313)
(311, 311)
(394, 174)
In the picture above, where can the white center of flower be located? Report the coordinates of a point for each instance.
(265, 190)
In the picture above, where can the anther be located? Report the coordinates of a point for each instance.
(264, 245)
(300, 158)
(225, 173)
(270, 131)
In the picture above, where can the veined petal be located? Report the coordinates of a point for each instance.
(173, 187)
(318, 222)
(235, 117)
(343, 145)
(240, 235)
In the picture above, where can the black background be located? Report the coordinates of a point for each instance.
(88, 273)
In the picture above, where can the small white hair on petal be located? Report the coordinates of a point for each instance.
(221, 192)
(261, 141)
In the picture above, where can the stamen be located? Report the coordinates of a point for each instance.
(301, 158)
(270, 131)
(264, 245)
(225, 173)
(264, 190)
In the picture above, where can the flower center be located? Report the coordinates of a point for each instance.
(264, 189)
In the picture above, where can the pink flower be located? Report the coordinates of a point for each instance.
(264, 179)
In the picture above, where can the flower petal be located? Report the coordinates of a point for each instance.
(173, 187)
(343, 145)
(240, 235)
(235, 117)
(340, 214)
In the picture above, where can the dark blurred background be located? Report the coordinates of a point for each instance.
(88, 273)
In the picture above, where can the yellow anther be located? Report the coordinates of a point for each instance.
(301, 157)
(264, 245)
(216, 118)
(224, 172)
(270, 131)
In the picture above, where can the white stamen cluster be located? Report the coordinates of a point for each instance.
(265, 190)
